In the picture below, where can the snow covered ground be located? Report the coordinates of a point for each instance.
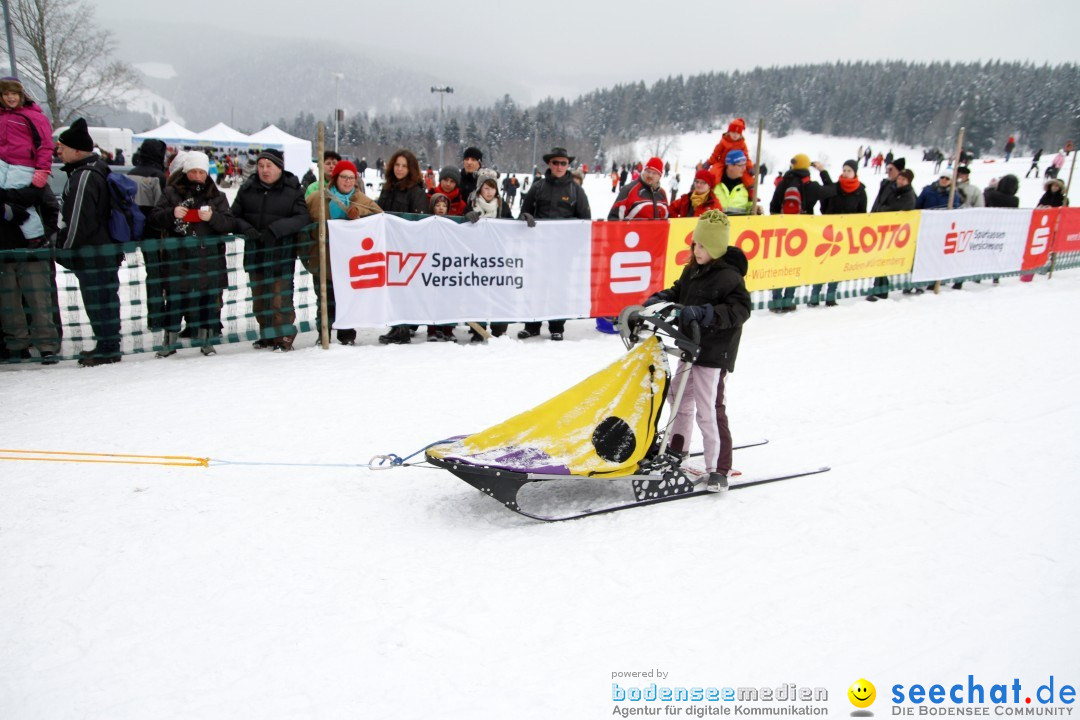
(942, 543)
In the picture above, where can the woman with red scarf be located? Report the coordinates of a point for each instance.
(844, 197)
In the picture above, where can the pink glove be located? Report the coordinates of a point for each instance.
(41, 178)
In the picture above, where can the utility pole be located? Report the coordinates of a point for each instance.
(443, 91)
(10, 40)
(337, 108)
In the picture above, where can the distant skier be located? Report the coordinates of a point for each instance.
(1009, 145)
(1034, 163)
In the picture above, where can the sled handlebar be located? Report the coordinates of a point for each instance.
(663, 320)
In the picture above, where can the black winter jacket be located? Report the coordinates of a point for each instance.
(800, 179)
(834, 201)
(270, 217)
(719, 283)
(893, 198)
(194, 265)
(411, 200)
(85, 211)
(556, 199)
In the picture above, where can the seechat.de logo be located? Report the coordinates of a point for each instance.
(862, 694)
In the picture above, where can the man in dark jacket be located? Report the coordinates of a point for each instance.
(936, 195)
(797, 178)
(87, 249)
(896, 196)
(888, 185)
(471, 162)
(554, 197)
(149, 173)
(270, 211)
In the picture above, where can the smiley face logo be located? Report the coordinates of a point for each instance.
(862, 693)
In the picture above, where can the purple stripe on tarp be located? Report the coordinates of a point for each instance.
(525, 460)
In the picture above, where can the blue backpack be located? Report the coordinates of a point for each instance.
(126, 220)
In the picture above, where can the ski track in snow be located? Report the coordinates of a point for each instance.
(942, 542)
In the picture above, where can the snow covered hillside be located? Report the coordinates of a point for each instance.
(941, 544)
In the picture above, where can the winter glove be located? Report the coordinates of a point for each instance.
(353, 213)
(529, 219)
(14, 214)
(701, 314)
(252, 235)
(41, 178)
(653, 299)
(472, 216)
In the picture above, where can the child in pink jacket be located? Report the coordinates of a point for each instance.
(26, 147)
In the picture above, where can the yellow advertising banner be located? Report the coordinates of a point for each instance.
(789, 250)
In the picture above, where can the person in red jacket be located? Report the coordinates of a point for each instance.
(643, 199)
(731, 140)
(449, 179)
(699, 200)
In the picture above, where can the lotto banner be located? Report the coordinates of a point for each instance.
(390, 271)
(1067, 238)
(787, 250)
(978, 241)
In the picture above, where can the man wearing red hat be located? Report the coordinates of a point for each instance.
(643, 199)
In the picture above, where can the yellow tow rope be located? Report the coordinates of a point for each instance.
(111, 458)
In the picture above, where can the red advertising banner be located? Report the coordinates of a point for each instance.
(1040, 231)
(628, 259)
(1067, 238)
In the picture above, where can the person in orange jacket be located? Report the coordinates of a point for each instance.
(732, 140)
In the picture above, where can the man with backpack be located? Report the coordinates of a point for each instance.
(87, 249)
(796, 194)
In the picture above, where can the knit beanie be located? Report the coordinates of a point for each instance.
(898, 163)
(656, 164)
(737, 125)
(273, 156)
(195, 160)
(341, 167)
(450, 172)
(712, 233)
(77, 137)
(474, 153)
(908, 175)
(436, 198)
(705, 176)
(800, 162)
(734, 157)
(484, 175)
(853, 164)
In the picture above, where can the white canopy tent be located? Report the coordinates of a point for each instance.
(297, 152)
(170, 133)
(221, 135)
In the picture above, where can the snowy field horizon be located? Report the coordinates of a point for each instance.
(942, 543)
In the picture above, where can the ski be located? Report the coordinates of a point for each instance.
(680, 496)
(742, 446)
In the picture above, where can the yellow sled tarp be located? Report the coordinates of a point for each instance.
(604, 425)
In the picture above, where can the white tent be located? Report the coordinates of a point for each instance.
(221, 135)
(297, 152)
(170, 133)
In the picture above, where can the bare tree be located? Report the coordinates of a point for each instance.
(60, 47)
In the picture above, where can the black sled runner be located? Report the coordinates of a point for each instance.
(597, 447)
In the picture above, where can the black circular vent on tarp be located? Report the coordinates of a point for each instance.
(614, 440)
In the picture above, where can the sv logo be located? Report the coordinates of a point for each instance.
(374, 270)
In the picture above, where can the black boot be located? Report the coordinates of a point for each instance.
(398, 335)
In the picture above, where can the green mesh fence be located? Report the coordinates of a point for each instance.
(68, 302)
(58, 304)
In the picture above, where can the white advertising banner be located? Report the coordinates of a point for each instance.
(962, 243)
(391, 271)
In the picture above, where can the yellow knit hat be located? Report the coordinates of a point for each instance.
(800, 162)
(713, 232)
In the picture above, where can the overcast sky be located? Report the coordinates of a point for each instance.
(563, 48)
